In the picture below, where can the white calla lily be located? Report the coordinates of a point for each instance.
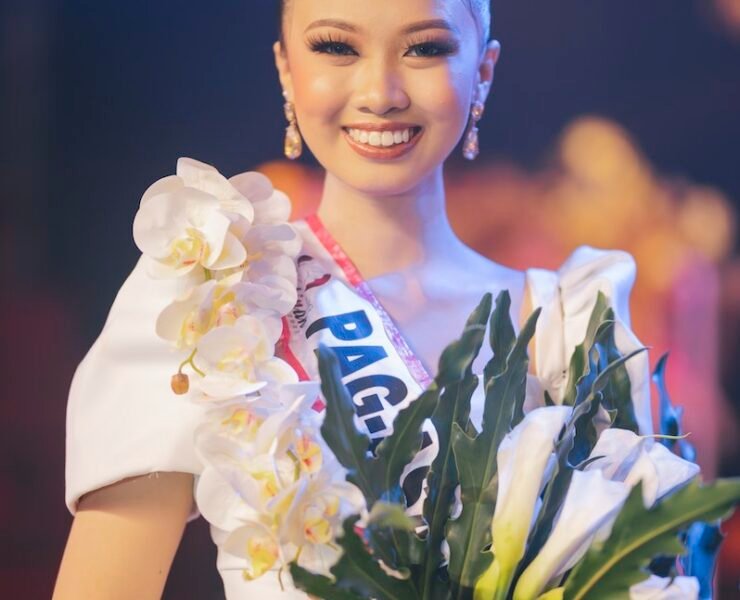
(588, 512)
(524, 458)
(625, 456)
(665, 588)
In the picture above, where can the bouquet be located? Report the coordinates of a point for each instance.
(560, 501)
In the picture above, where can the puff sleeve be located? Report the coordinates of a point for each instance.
(567, 297)
(122, 417)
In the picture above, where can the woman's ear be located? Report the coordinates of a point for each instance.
(281, 63)
(485, 70)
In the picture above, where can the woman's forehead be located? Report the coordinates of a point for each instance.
(369, 15)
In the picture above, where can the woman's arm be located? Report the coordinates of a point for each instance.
(124, 538)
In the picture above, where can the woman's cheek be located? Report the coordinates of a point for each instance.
(319, 95)
(444, 97)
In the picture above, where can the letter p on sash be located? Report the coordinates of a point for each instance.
(348, 326)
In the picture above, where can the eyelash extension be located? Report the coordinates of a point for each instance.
(326, 44)
(440, 48)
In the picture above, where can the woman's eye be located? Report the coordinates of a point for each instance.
(431, 49)
(335, 48)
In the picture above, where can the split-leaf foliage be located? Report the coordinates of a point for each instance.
(598, 389)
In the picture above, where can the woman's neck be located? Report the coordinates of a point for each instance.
(390, 233)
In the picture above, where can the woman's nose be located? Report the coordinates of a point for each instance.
(379, 88)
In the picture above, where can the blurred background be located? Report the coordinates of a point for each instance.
(615, 124)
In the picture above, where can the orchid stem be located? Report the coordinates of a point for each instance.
(189, 361)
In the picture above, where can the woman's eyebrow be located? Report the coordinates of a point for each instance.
(414, 27)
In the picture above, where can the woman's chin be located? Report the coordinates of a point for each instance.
(379, 184)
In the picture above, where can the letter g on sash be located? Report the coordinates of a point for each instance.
(396, 392)
(348, 326)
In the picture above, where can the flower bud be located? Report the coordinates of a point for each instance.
(180, 383)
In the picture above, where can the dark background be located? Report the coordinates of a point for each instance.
(98, 99)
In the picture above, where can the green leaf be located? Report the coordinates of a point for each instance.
(470, 533)
(458, 383)
(595, 384)
(349, 445)
(455, 359)
(670, 415)
(579, 366)
(385, 514)
(702, 541)
(378, 477)
(639, 534)
(319, 585)
(357, 573)
(617, 395)
(399, 448)
(502, 336)
(390, 533)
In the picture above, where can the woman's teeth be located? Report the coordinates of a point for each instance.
(380, 138)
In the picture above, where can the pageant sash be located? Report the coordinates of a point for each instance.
(337, 308)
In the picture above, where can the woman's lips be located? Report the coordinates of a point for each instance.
(383, 152)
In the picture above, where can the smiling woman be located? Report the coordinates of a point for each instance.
(366, 68)
(381, 93)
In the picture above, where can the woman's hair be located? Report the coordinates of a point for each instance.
(481, 10)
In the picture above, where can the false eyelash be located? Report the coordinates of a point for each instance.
(443, 47)
(322, 44)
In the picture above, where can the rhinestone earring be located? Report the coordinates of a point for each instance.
(293, 146)
(471, 147)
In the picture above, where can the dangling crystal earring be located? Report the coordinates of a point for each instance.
(471, 148)
(293, 143)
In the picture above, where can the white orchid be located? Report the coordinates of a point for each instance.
(183, 223)
(219, 303)
(270, 489)
(664, 588)
(256, 544)
(240, 359)
(302, 525)
(314, 518)
(271, 206)
(525, 457)
(270, 241)
(247, 447)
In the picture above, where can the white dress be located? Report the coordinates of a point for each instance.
(123, 419)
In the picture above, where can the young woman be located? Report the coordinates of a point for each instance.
(382, 93)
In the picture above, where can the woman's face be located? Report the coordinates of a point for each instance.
(382, 89)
